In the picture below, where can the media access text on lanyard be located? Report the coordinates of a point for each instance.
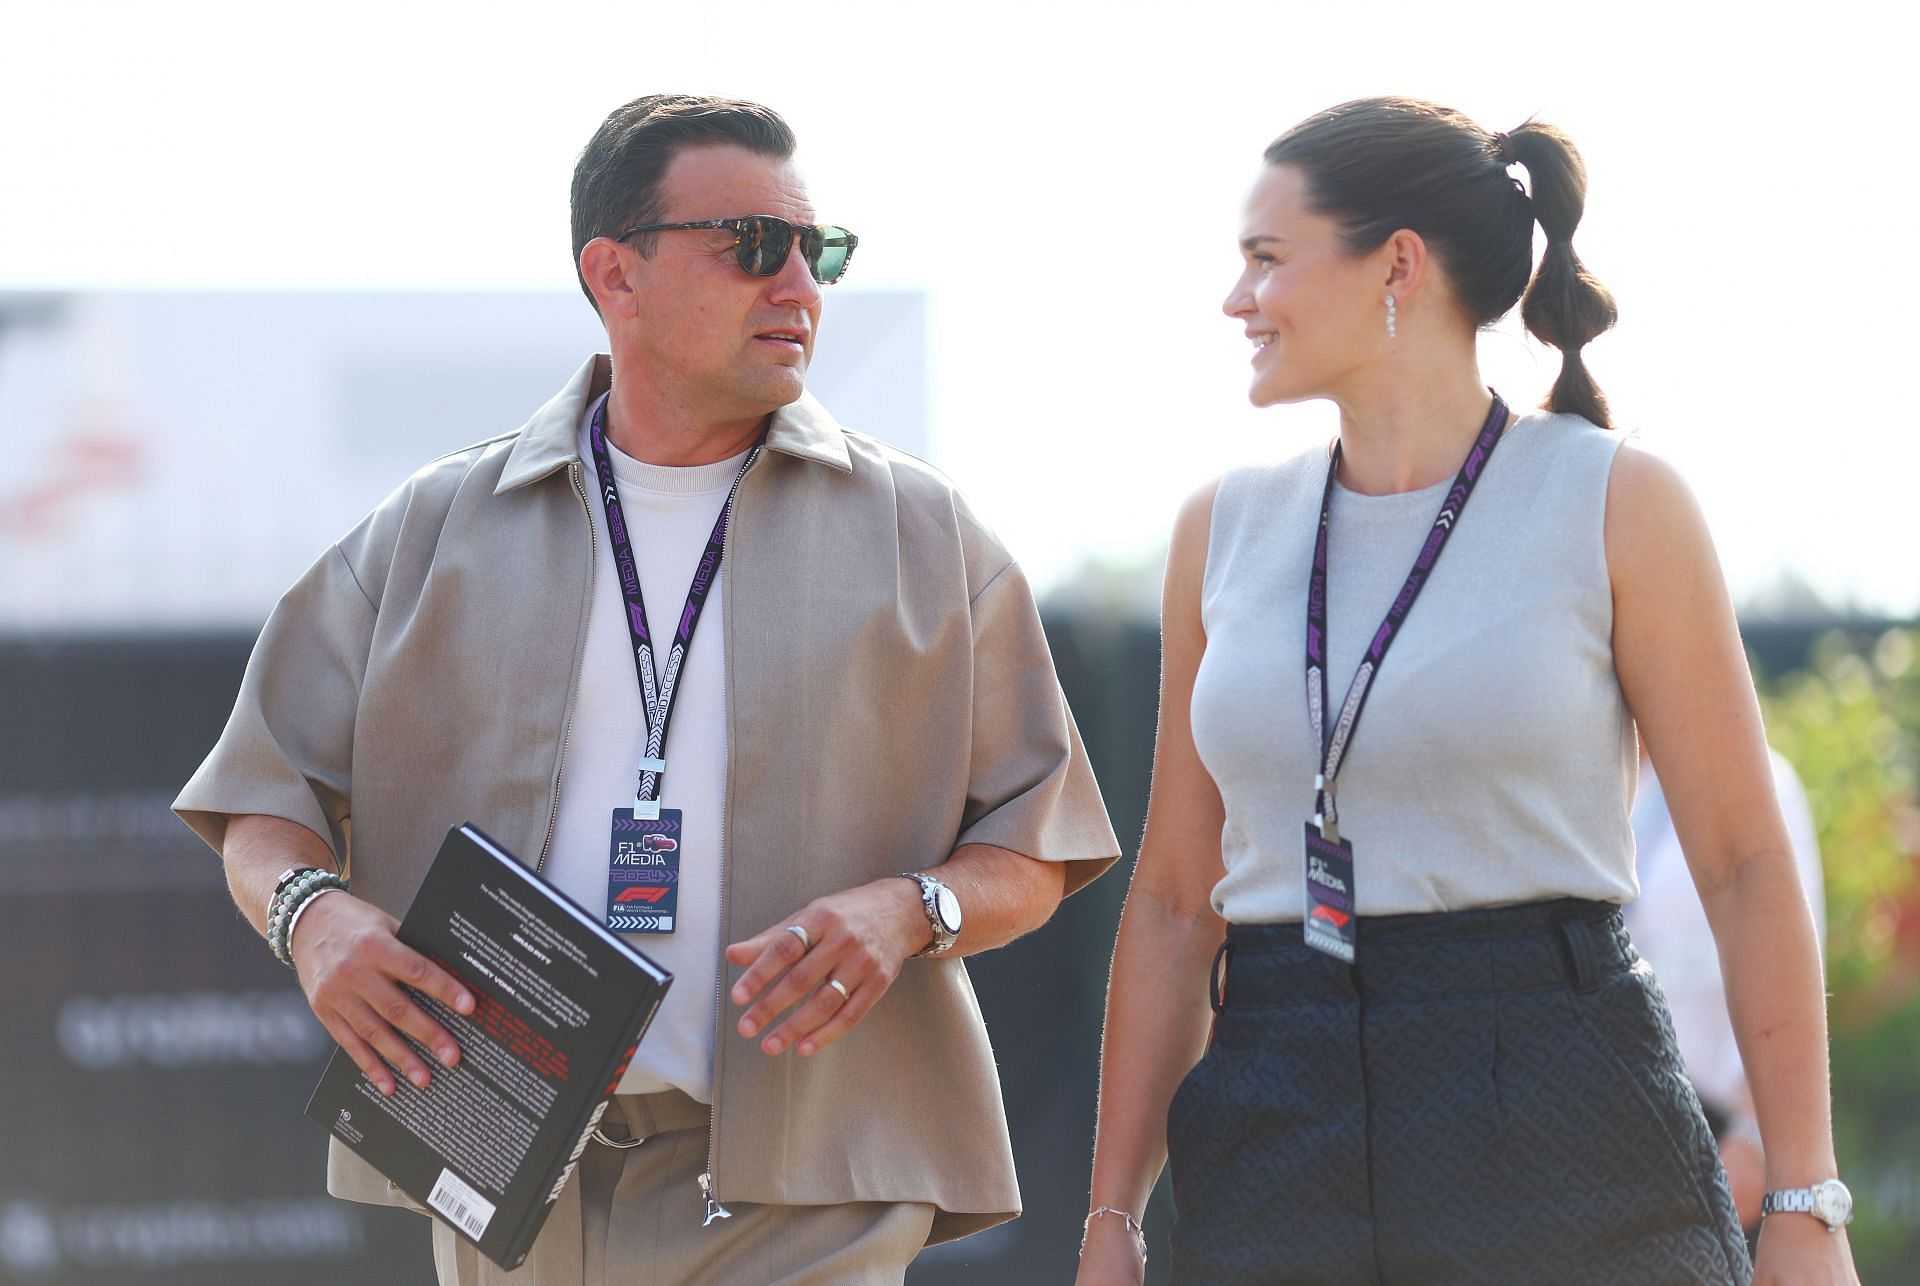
(645, 849)
(1331, 912)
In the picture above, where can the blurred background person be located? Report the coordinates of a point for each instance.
(1669, 927)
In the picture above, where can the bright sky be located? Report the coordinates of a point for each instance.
(1065, 181)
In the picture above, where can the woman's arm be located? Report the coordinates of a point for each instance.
(1678, 654)
(1157, 1012)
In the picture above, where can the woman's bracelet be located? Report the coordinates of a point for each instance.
(1133, 1226)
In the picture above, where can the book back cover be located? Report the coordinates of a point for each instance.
(561, 1005)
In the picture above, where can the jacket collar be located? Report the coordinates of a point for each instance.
(550, 440)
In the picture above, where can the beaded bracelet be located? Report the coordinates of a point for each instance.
(288, 878)
(293, 921)
(288, 904)
(277, 908)
(1133, 1226)
(280, 885)
(288, 898)
(293, 900)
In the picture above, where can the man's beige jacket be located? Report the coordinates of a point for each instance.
(890, 698)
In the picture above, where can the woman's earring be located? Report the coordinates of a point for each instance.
(1392, 319)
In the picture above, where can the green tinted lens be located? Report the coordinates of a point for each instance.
(828, 250)
(763, 245)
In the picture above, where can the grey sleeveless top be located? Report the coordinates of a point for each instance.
(1496, 762)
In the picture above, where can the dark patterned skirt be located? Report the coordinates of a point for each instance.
(1485, 1096)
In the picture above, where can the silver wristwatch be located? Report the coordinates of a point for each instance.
(943, 913)
(1829, 1202)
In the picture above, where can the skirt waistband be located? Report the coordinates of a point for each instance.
(1567, 942)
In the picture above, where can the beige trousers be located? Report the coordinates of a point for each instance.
(632, 1217)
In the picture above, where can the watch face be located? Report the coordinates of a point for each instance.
(949, 908)
(1832, 1203)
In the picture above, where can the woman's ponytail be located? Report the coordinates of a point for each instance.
(1564, 304)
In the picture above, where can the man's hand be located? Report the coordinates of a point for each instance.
(351, 966)
(859, 939)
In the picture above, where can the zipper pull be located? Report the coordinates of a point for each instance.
(714, 1209)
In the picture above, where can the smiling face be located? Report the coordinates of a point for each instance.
(1315, 312)
(702, 333)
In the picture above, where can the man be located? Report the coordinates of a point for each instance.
(862, 690)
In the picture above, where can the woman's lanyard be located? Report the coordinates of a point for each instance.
(645, 847)
(1331, 910)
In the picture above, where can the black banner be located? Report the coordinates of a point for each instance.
(156, 1056)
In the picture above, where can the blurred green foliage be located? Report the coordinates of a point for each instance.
(1849, 722)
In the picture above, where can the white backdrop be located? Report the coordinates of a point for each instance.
(174, 460)
(1063, 181)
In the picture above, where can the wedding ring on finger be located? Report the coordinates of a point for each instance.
(806, 939)
(840, 987)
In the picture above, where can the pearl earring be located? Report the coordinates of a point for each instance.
(1392, 319)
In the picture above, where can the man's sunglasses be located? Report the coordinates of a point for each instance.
(761, 243)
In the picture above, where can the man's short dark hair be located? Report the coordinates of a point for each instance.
(617, 181)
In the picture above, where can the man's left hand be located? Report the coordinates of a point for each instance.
(859, 939)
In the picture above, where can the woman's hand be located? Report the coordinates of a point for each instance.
(1797, 1250)
(1158, 1018)
(1111, 1256)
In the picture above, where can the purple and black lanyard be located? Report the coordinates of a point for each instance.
(643, 879)
(1330, 920)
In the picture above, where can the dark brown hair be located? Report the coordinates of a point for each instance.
(616, 182)
(1378, 165)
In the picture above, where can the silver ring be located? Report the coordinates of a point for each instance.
(806, 939)
(840, 987)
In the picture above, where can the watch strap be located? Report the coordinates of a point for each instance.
(1829, 1201)
(1796, 1201)
(943, 937)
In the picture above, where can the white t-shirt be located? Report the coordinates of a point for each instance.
(1669, 926)
(669, 514)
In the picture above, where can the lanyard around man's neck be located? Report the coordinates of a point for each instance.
(657, 691)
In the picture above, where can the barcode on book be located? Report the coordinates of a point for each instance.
(453, 1197)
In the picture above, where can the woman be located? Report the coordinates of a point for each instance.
(1435, 1055)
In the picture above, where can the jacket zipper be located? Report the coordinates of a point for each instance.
(714, 1209)
(579, 659)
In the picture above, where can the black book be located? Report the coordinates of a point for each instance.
(561, 1006)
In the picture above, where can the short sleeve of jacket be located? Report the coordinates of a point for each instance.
(1030, 785)
(287, 750)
